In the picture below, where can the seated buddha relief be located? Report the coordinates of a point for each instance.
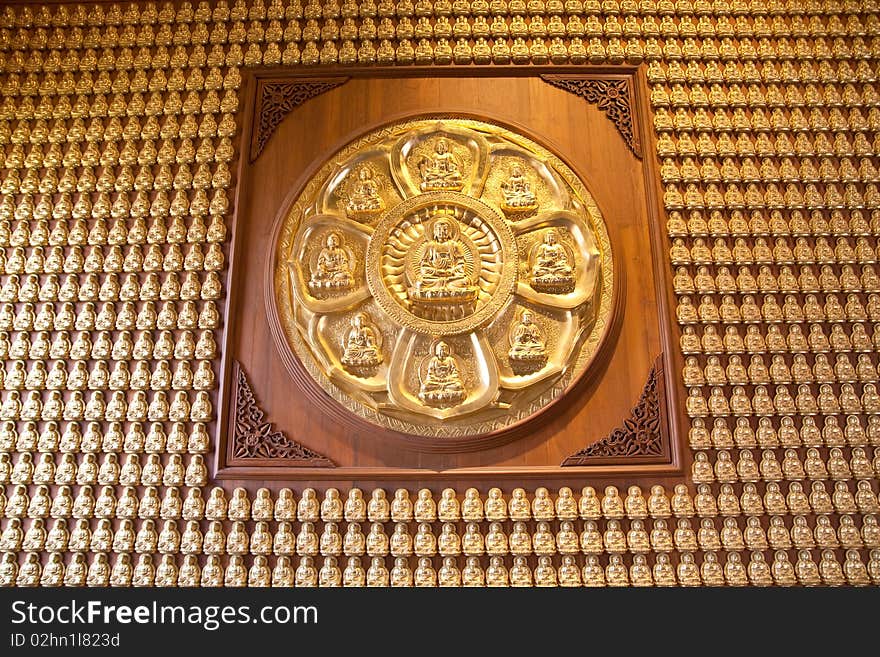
(528, 347)
(362, 345)
(332, 270)
(444, 273)
(441, 170)
(552, 265)
(441, 383)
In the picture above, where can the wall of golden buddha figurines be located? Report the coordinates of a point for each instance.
(118, 140)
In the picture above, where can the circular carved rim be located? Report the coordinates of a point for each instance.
(486, 311)
(593, 350)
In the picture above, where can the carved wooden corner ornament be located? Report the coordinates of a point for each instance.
(642, 433)
(612, 96)
(253, 437)
(275, 100)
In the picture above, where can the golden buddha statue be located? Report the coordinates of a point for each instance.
(333, 268)
(528, 350)
(519, 199)
(363, 345)
(441, 170)
(443, 274)
(364, 201)
(441, 381)
(552, 266)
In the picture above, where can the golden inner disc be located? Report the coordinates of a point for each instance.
(444, 277)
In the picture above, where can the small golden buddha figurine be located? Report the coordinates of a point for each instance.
(377, 574)
(362, 345)
(552, 265)
(306, 541)
(377, 541)
(545, 573)
(378, 509)
(612, 504)
(306, 575)
(401, 543)
(355, 509)
(330, 541)
(401, 507)
(308, 509)
(401, 574)
(472, 507)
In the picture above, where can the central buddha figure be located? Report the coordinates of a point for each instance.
(441, 170)
(332, 270)
(362, 344)
(364, 201)
(442, 275)
(441, 382)
(552, 270)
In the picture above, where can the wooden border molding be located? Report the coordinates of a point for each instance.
(642, 433)
(276, 99)
(613, 96)
(253, 437)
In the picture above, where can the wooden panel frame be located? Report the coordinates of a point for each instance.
(672, 459)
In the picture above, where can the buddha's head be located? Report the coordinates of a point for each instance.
(442, 230)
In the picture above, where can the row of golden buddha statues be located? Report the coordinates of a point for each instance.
(737, 402)
(804, 432)
(732, 310)
(224, 46)
(733, 171)
(184, 345)
(110, 472)
(168, 287)
(151, 287)
(84, 14)
(736, 373)
(745, 282)
(834, 466)
(49, 439)
(127, 318)
(96, 407)
(31, 228)
(146, 153)
(235, 573)
(717, 223)
(76, 375)
(329, 23)
(791, 338)
(834, 432)
(706, 503)
(448, 509)
(731, 195)
(100, 537)
(797, 119)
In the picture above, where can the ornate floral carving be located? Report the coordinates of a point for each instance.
(253, 437)
(642, 433)
(275, 100)
(612, 96)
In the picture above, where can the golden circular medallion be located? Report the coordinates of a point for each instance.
(444, 278)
